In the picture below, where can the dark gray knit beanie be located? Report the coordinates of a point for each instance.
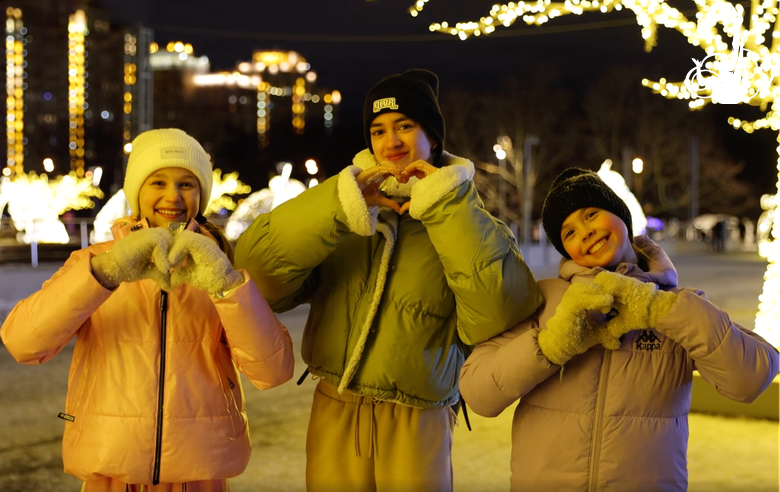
(572, 190)
(415, 94)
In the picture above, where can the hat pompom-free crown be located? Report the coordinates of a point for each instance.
(159, 149)
(577, 188)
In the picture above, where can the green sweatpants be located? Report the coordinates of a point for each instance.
(361, 444)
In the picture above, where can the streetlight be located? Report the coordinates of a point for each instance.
(529, 175)
(501, 156)
(637, 165)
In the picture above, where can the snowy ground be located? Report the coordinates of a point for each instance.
(725, 453)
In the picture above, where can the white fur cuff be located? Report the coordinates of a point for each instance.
(360, 218)
(432, 188)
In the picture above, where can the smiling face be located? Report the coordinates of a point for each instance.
(399, 140)
(594, 237)
(169, 195)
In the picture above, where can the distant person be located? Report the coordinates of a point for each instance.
(603, 370)
(161, 323)
(750, 233)
(404, 269)
(741, 226)
(719, 236)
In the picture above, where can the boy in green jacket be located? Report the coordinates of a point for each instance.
(403, 268)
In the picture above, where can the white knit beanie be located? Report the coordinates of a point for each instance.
(167, 147)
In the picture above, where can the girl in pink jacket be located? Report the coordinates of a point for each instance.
(603, 370)
(162, 321)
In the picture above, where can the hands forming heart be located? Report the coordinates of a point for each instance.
(370, 181)
(154, 253)
(194, 259)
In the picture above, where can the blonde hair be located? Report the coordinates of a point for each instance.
(219, 235)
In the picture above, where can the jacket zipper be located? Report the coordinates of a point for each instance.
(598, 424)
(161, 386)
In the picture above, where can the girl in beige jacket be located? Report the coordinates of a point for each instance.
(603, 369)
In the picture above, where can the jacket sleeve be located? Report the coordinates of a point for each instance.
(737, 362)
(508, 366)
(494, 289)
(39, 327)
(260, 345)
(281, 249)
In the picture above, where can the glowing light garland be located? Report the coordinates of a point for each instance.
(757, 83)
(35, 203)
(222, 189)
(77, 95)
(14, 90)
(280, 189)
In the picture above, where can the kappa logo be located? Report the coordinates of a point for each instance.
(386, 103)
(648, 341)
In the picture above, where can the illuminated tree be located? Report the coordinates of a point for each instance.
(749, 65)
(35, 203)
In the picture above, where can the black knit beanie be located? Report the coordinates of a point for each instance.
(413, 93)
(572, 190)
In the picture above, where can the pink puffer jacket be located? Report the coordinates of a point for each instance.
(613, 420)
(153, 391)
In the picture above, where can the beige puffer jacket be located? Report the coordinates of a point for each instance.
(153, 393)
(613, 420)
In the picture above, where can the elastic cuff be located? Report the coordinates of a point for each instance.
(225, 293)
(432, 188)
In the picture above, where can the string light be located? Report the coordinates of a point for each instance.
(77, 95)
(222, 188)
(14, 88)
(129, 80)
(263, 113)
(298, 105)
(760, 85)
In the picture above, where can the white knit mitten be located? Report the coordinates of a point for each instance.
(142, 254)
(197, 260)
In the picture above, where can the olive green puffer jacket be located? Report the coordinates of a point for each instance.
(395, 300)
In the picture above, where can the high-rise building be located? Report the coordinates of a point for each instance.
(250, 118)
(71, 88)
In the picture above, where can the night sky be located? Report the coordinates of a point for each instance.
(352, 44)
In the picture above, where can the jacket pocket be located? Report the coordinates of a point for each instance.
(231, 389)
(80, 396)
